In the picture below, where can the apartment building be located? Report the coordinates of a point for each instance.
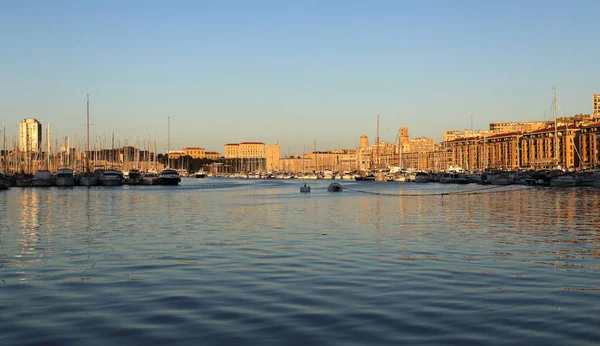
(194, 152)
(30, 135)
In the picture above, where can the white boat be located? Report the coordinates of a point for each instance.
(42, 177)
(111, 177)
(133, 177)
(200, 175)
(348, 175)
(64, 177)
(169, 176)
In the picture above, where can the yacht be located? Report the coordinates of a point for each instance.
(64, 177)
(134, 177)
(42, 177)
(168, 176)
(111, 177)
(200, 175)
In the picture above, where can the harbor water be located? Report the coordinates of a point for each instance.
(255, 262)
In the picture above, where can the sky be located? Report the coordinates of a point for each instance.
(298, 73)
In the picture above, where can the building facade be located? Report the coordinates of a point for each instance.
(596, 105)
(272, 156)
(194, 152)
(30, 135)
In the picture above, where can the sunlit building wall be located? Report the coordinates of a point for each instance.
(30, 135)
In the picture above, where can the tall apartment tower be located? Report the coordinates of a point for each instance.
(596, 105)
(30, 135)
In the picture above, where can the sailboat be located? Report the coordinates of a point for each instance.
(87, 178)
(557, 176)
(169, 176)
(305, 188)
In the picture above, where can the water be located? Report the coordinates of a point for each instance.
(248, 262)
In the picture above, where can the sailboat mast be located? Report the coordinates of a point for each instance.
(87, 154)
(377, 144)
(169, 143)
(555, 127)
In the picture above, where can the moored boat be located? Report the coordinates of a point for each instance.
(42, 178)
(64, 177)
(111, 177)
(168, 176)
(200, 175)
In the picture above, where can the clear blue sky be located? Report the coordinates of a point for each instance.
(292, 71)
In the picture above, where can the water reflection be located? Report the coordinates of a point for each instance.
(255, 263)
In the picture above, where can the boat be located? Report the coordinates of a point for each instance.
(42, 178)
(134, 177)
(150, 178)
(87, 178)
(64, 177)
(200, 175)
(111, 177)
(584, 178)
(367, 177)
(422, 177)
(563, 180)
(454, 178)
(169, 176)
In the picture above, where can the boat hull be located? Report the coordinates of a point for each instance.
(111, 182)
(88, 181)
(42, 182)
(64, 181)
(168, 181)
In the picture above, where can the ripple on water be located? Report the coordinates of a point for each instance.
(255, 262)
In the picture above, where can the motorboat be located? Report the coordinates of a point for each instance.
(169, 176)
(422, 177)
(42, 178)
(111, 177)
(367, 177)
(134, 177)
(200, 175)
(64, 177)
(454, 178)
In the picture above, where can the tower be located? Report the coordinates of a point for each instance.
(30, 135)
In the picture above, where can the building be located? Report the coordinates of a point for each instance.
(212, 155)
(194, 152)
(175, 154)
(519, 126)
(549, 147)
(272, 152)
(231, 151)
(451, 135)
(30, 135)
(596, 105)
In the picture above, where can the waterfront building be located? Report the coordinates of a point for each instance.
(231, 150)
(246, 156)
(175, 154)
(194, 152)
(596, 105)
(518, 126)
(30, 135)
(588, 144)
(451, 135)
(272, 155)
(212, 155)
(549, 147)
